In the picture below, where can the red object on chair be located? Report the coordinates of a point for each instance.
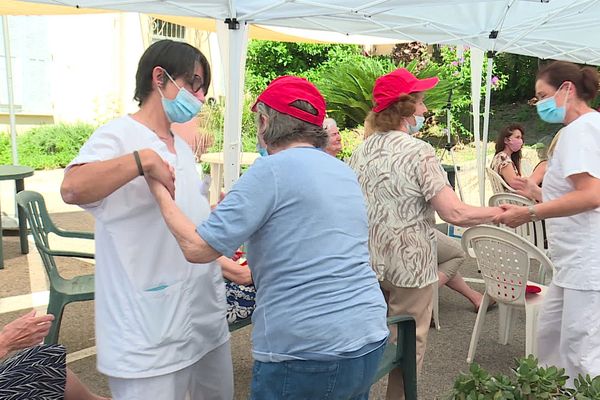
(533, 289)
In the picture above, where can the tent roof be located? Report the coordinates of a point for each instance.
(558, 29)
(281, 34)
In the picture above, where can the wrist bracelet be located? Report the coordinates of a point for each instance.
(138, 162)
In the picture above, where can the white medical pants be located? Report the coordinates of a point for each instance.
(568, 333)
(210, 378)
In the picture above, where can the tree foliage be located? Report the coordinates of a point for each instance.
(267, 60)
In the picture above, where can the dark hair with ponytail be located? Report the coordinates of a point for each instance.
(585, 79)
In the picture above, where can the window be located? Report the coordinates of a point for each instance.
(166, 30)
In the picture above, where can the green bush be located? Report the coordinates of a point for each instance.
(47, 146)
(351, 138)
(266, 60)
(529, 381)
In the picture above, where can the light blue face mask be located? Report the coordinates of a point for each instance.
(550, 112)
(419, 122)
(183, 107)
(261, 150)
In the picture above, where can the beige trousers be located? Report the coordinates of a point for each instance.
(416, 302)
(450, 254)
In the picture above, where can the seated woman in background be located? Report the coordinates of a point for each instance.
(507, 161)
(36, 371)
(239, 288)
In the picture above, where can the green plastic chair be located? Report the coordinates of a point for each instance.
(62, 291)
(402, 354)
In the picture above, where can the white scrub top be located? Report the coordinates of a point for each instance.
(574, 241)
(156, 313)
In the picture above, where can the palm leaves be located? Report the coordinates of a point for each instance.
(348, 87)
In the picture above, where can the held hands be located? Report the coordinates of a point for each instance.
(26, 331)
(512, 216)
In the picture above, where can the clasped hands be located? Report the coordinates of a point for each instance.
(513, 215)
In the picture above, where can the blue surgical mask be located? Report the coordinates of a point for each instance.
(183, 107)
(550, 112)
(419, 122)
(262, 150)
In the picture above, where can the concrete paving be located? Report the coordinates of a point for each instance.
(24, 274)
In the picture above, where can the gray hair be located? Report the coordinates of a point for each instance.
(282, 129)
(329, 123)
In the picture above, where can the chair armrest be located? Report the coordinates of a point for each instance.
(397, 319)
(65, 253)
(406, 341)
(74, 234)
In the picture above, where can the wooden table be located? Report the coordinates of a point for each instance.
(17, 173)
(216, 171)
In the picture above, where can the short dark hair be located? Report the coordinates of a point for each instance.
(585, 79)
(177, 58)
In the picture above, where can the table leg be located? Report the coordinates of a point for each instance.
(216, 175)
(20, 186)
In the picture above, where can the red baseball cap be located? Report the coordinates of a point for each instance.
(389, 87)
(283, 91)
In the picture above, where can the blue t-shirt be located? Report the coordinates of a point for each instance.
(303, 215)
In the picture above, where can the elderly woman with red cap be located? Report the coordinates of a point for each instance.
(404, 183)
(320, 319)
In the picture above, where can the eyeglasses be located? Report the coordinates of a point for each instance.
(196, 83)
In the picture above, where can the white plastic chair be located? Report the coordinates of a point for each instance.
(532, 231)
(498, 184)
(526, 167)
(504, 258)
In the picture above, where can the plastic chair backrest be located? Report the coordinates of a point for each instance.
(498, 184)
(533, 231)
(42, 226)
(504, 259)
(526, 167)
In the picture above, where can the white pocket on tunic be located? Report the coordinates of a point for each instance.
(163, 314)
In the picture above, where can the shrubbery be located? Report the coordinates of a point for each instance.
(47, 146)
(345, 76)
(528, 381)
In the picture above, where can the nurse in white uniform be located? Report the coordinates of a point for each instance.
(161, 331)
(569, 323)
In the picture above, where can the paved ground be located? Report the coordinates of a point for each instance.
(445, 358)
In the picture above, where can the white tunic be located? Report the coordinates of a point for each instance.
(574, 241)
(155, 312)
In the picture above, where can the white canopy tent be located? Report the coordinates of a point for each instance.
(554, 29)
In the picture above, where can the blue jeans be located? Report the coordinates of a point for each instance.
(344, 379)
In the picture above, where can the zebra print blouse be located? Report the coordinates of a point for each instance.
(398, 175)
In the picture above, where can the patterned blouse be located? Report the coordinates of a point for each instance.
(398, 175)
(500, 161)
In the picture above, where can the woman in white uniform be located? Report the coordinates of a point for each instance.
(569, 323)
(161, 331)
